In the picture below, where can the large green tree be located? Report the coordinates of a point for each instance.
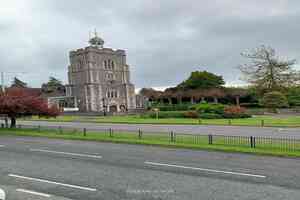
(18, 83)
(293, 96)
(274, 100)
(203, 80)
(52, 85)
(268, 72)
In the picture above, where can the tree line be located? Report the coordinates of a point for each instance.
(272, 81)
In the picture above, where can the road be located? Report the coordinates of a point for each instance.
(191, 129)
(40, 168)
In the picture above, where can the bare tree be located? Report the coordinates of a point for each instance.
(267, 71)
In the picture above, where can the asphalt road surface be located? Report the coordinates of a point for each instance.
(40, 168)
(189, 129)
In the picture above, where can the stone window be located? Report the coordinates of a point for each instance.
(112, 65)
(109, 64)
(110, 76)
(105, 64)
(112, 94)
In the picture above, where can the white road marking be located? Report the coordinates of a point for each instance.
(53, 182)
(66, 153)
(2, 145)
(203, 169)
(33, 192)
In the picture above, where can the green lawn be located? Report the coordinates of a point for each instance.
(274, 121)
(220, 143)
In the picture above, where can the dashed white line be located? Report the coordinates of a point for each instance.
(53, 182)
(203, 169)
(33, 193)
(66, 153)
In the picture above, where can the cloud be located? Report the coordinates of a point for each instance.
(165, 41)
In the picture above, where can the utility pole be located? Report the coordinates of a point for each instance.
(2, 78)
(2, 82)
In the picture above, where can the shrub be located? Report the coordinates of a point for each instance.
(251, 105)
(275, 100)
(293, 96)
(235, 112)
(176, 107)
(191, 114)
(210, 108)
(210, 116)
(165, 114)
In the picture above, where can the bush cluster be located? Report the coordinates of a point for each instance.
(165, 114)
(180, 107)
(216, 108)
(251, 105)
(235, 112)
(210, 116)
(191, 114)
(204, 111)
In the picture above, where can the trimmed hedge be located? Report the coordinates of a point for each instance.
(233, 112)
(165, 114)
(204, 111)
(236, 115)
(191, 114)
(210, 116)
(216, 108)
(179, 107)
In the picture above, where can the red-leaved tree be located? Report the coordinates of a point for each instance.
(16, 103)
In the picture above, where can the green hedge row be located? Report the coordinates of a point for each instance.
(179, 107)
(193, 114)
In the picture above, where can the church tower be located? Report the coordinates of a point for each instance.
(99, 78)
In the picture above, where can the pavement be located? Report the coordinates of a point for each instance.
(184, 129)
(41, 168)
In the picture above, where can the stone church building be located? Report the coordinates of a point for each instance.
(99, 79)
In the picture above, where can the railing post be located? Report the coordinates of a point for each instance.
(199, 121)
(210, 139)
(84, 132)
(229, 122)
(172, 136)
(39, 128)
(140, 134)
(252, 142)
(6, 122)
(60, 130)
(111, 132)
(262, 123)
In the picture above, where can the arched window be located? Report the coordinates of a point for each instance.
(112, 65)
(105, 64)
(108, 63)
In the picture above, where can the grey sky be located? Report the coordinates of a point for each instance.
(165, 40)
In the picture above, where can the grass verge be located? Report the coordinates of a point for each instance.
(199, 142)
(257, 121)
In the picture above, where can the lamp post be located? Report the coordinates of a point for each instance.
(104, 106)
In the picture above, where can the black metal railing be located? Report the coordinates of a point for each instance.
(265, 143)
